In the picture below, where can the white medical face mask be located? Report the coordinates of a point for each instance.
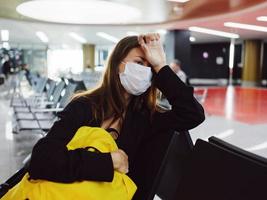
(136, 79)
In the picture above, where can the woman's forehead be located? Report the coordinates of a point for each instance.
(136, 52)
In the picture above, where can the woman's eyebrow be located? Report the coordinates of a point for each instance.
(141, 58)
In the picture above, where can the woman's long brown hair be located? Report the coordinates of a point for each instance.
(108, 99)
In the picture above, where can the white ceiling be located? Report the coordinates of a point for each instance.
(22, 32)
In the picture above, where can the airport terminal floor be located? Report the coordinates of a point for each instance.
(234, 114)
(14, 148)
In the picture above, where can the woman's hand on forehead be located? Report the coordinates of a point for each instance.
(153, 50)
(150, 37)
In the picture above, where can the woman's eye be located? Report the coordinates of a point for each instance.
(140, 62)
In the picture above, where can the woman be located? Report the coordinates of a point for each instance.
(125, 105)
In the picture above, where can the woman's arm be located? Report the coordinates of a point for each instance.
(51, 160)
(186, 112)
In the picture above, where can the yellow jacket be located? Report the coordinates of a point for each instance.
(121, 187)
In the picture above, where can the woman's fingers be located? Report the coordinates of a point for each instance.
(120, 161)
(153, 50)
(148, 38)
(152, 37)
(123, 154)
(143, 44)
(141, 39)
(124, 168)
(157, 36)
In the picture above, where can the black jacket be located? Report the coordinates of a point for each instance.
(52, 161)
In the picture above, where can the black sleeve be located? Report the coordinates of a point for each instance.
(186, 112)
(51, 160)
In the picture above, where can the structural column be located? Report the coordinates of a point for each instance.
(251, 75)
(88, 56)
(178, 46)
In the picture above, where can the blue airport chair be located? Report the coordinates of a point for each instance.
(18, 100)
(43, 119)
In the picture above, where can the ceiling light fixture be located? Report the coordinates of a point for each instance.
(179, 1)
(262, 18)
(77, 37)
(246, 26)
(42, 36)
(4, 35)
(213, 32)
(79, 11)
(6, 45)
(107, 37)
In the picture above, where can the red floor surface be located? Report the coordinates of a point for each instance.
(247, 105)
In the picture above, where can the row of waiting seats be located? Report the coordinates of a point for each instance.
(38, 112)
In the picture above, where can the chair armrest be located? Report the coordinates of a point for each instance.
(47, 110)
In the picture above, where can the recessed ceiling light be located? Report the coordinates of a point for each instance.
(79, 11)
(107, 37)
(42, 36)
(213, 32)
(178, 9)
(4, 35)
(179, 1)
(192, 39)
(6, 45)
(262, 18)
(77, 37)
(246, 26)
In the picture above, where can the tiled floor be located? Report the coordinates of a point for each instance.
(236, 115)
(13, 147)
(248, 105)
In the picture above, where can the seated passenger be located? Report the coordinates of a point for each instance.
(125, 105)
(176, 67)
